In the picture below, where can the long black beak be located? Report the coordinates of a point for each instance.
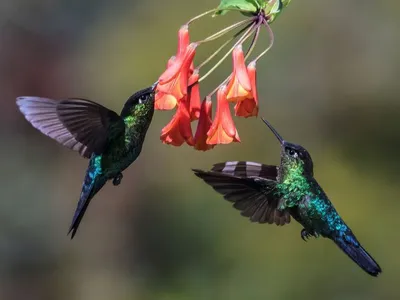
(153, 87)
(278, 136)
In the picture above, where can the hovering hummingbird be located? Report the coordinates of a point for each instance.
(274, 194)
(111, 141)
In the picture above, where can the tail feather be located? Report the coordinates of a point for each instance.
(91, 185)
(358, 254)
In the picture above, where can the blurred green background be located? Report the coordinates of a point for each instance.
(329, 83)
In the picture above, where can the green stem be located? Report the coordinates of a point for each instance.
(201, 15)
(253, 42)
(272, 38)
(222, 47)
(224, 31)
(244, 37)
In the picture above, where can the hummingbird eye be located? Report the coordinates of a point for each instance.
(142, 99)
(291, 152)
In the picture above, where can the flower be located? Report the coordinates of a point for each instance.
(174, 81)
(193, 96)
(205, 121)
(249, 106)
(223, 130)
(178, 130)
(239, 87)
(164, 101)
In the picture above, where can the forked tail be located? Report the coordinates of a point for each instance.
(358, 254)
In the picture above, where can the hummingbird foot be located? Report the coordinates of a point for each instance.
(117, 179)
(305, 235)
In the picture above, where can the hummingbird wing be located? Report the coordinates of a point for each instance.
(255, 197)
(247, 169)
(79, 124)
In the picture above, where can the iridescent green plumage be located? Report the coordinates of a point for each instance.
(270, 194)
(111, 141)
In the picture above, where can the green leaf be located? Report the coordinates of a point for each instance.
(247, 7)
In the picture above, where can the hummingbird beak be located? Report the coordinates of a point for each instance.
(273, 131)
(153, 87)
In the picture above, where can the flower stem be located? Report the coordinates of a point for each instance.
(224, 31)
(253, 41)
(201, 15)
(271, 35)
(244, 37)
(222, 46)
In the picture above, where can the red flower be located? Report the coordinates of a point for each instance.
(249, 106)
(223, 130)
(239, 87)
(200, 138)
(193, 96)
(165, 101)
(174, 81)
(178, 130)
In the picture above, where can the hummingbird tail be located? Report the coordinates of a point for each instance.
(358, 254)
(91, 185)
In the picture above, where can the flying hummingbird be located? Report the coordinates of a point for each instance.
(274, 194)
(111, 141)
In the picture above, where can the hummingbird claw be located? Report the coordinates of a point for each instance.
(305, 235)
(117, 179)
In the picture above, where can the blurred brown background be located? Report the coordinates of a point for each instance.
(330, 83)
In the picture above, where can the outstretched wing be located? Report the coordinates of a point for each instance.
(247, 169)
(255, 197)
(78, 124)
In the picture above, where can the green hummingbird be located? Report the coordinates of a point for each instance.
(111, 141)
(274, 194)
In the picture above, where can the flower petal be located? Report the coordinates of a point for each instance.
(194, 96)
(203, 126)
(177, 86)
(178, 130)
(223, 130)
(249, 106)
(165, 101)
(183, 40)
(239, 87)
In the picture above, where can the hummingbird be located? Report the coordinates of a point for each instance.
(110, 141)
(274, 194)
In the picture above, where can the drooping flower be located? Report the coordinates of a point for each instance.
(239, 87)
(174, 81)
(178, 130)
(164, 101)
(249, 106)
(223, 130)
(193, 96)
(205, 121)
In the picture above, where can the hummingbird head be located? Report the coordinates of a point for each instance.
(141, 103)
(293, 156)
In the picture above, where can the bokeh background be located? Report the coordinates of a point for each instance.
(330, 83)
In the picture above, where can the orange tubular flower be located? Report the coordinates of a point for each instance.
(223, 130)
(178, 130)
(239, 87)
(200, 138)
(174, 81)
(249, 106)
(194, 96)
(165, 101)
